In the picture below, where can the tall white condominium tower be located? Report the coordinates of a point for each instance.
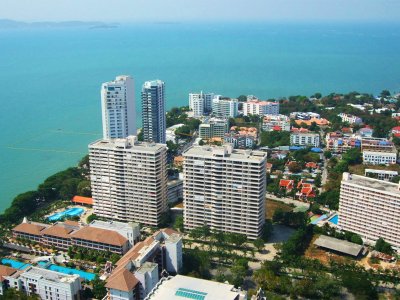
(201, 103)
(225, 189)
(129, 179)
(118, 107)
(153, 111)
(371, 208)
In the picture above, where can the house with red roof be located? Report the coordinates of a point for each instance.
(306, 191)
(286, 184)
(396, 131)
(311, 165)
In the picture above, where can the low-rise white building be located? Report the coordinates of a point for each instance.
(351, 119)
(381, 174)
(379, 158)
(276, 123)
(184, 287)
(305, 139)
(45, 283)
(213, 127)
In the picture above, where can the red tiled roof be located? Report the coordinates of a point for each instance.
(285, 183)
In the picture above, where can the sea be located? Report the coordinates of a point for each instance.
(50, 78)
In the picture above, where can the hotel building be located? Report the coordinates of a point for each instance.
(260, 108)
(371, 208)
(45, 283)
(118, 107)
(153, 112)
(225, 189)
(139, 270)
(129, 180)
(110, 236)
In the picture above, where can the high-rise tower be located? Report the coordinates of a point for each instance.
(153, 111)
(118, 107)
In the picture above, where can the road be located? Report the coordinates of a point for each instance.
(287, 200)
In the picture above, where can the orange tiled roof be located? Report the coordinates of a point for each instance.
(6, 271)
(83, 200)
(285, 183)
(122, 280)
(29, 228)
(58, 231)
(99, 235)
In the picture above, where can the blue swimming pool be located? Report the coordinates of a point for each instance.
(15, 264)
(85, 275)
(334, 219)
(76, 211)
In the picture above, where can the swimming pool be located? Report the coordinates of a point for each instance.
(317, 218)
(334, 219)
(76, 211)
(15, 264)
(85, 275)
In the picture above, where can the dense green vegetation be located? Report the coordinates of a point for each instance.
(274, 138)
(62, 185)
(382, 246)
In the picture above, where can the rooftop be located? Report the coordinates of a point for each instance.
(112, 225)
(40, 273)
(226, 152)
(338, 245)
(372, 183)
(30, 228)
(100, 235)
(130, 143)
(184, 287)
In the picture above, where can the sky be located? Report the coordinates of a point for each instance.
(200, 10)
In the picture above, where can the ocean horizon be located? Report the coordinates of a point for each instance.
(50, 78)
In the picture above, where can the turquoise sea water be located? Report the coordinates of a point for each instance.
(50, 78)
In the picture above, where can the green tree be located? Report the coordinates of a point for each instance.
(178, 224)
(99, 290)
(84, 188)
(259, 244)
(382, 246)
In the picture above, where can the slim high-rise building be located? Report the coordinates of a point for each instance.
(153, 111)
(118, 107)
(225, 189)
(129, 180)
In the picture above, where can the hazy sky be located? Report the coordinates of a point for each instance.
(199, 10)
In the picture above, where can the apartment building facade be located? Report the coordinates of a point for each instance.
(260, 108)
(45, 283)
(276, 123)
(129, 180)
(225, 108)
(200, 103)
(213, 127)
(118, 107)
(225, 189)
(139, 270)
(379, 158)
(371, 208)
(153, 111)
(305, 139)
